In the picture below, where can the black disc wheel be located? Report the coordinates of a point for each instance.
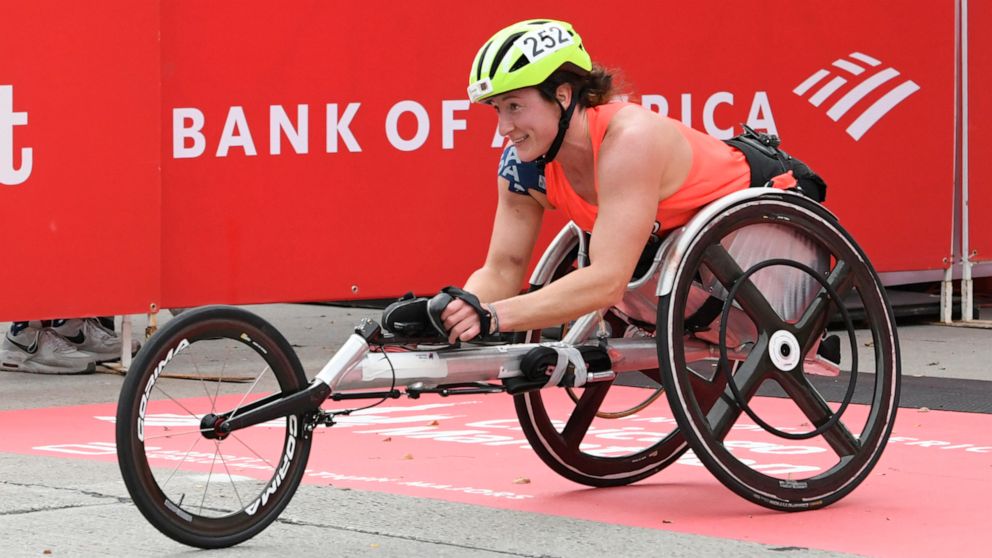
(605, 433)
(195, 484)
(780, 354)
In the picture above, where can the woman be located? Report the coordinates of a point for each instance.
(618, 170)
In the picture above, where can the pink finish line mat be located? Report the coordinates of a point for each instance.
(927, 495)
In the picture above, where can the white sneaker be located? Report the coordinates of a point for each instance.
(90, 336)
(42, 351)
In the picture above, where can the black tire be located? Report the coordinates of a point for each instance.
(564, 445)
(193, 366)
(844, 444)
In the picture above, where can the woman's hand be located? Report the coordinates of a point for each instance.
(460, 321)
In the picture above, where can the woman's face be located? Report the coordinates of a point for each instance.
(528, 119)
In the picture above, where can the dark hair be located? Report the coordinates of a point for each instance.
(595, 88)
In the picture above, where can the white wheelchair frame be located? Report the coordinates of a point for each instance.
(355, 368)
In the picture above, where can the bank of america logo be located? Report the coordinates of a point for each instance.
(861, 69)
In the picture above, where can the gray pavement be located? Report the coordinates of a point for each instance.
(81, 508)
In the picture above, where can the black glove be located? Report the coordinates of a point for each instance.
(440, 301)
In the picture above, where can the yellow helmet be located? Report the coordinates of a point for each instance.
(525, 54)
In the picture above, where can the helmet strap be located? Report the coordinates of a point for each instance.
(563, 122)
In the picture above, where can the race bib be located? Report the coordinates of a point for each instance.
(541, 42)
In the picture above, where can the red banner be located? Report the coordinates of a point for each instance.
(980, 130)
(339, 160)
(330, 146)
(79, 155)
(848, 90)
(325, 150)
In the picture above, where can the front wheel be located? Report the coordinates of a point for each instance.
(193, 484)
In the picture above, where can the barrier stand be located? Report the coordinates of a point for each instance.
(126, 333)
(125, 362)
(967, 287)
(947, 285)
(968, 319)
(947, 297)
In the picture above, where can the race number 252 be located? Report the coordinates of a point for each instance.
(542, 42)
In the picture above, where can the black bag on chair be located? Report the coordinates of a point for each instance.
(768, 161)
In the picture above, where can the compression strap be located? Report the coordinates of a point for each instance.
(567, 355)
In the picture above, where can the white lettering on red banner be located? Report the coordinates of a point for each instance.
(181, 132)
(296, 133)
(720, 112)
(339, 126)
(392, 124)
(10, 175)
(236, 134)
(720, 107)
(449, 123)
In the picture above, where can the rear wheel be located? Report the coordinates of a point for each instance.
(744, 385)
(195, 485)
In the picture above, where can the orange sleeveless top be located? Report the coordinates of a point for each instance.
(717, 170)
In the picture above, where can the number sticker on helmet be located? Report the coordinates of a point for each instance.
(543, 41)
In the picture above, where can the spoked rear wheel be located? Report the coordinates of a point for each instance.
(603, 434)
(194, 484)
(742, 381)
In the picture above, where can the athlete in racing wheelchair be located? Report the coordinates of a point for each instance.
(703, 270)
(623, 173)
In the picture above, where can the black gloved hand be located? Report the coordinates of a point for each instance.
(440, 301)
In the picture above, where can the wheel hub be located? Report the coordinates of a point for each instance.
(210, 427)
(783, 349)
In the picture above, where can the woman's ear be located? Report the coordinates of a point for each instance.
(564, 94)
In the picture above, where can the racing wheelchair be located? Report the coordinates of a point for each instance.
(759, 317)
